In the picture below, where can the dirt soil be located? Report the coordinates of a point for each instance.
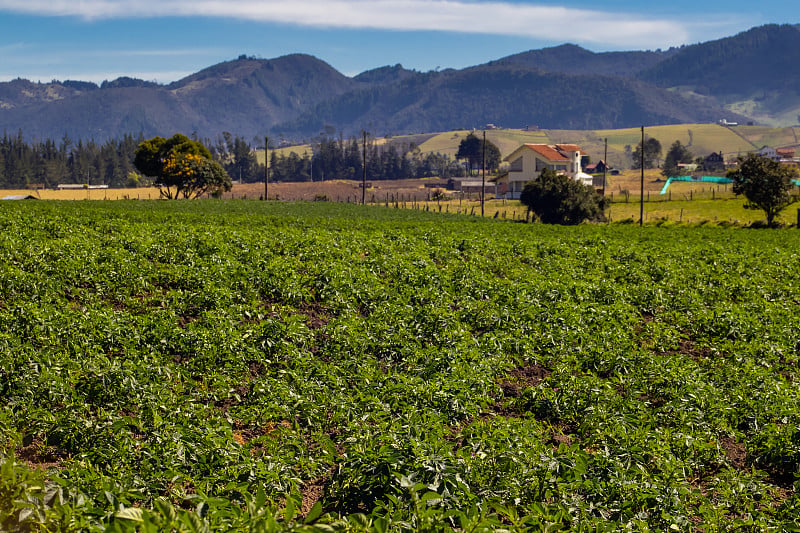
(341, 190)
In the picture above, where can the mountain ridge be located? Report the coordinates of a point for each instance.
(299, 96)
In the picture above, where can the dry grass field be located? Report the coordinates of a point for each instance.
(144, 193)
(339, 190)
(332, 190)
(701, 139)
(685, 203)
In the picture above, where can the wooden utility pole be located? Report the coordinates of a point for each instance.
(605, 167)
(266, 168)
(364, 165)
(641, 199)
(483, 177)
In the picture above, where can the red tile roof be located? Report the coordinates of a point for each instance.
(568, 148)
(547, 151)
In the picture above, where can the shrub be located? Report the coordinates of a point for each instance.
(558, 199)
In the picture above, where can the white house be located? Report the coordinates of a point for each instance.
(528, 161)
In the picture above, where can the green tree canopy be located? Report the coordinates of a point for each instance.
(558, 199)
(765, 183)
(471, 150)
(652, 152)
(676, 154)
(181, 167)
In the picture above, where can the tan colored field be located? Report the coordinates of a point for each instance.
(688, 203)
(340, 190)
(149, 193)
(702, 139)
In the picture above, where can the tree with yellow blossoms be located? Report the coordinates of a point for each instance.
(181, 167)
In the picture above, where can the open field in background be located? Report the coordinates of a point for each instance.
(656, 211)
(246, 366)
(143, 193)
(702, 139)
(685, 202)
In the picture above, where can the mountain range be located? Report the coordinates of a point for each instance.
(749, 77)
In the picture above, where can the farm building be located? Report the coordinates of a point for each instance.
(714, 162)
(597, 168)
(769, 152)
(68, 186)
(528, 161)
(472, 185)
(19, 197)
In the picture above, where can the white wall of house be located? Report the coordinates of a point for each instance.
(526, 164)
(771, 153)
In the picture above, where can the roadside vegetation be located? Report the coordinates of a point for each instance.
(271, 366)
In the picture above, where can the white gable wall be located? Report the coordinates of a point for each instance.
(526, 164)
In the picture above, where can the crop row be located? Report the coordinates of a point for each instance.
(260, 366)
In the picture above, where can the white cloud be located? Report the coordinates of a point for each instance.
(537, 21)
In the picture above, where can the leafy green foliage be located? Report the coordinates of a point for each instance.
(478, 153)
(48, 162)
(652, 153)
(765, 183)
(676, 154)
(257, 366)
(181, 167)
(558, 199)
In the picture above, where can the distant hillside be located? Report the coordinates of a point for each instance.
(572, 59)
(749, 77)
(385, 75)
(510, 95)
(244, 96)
(755, 72)
(761, 59)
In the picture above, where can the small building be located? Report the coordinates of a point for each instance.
(70, 186)
(527, 162)
(472, 185)
(19, 197)
(768, 152)
(714, 162)
(596, 168)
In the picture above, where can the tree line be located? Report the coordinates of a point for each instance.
(344, 159)
(48, 163)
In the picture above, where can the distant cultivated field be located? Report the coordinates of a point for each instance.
(144, 193)
(702, 139)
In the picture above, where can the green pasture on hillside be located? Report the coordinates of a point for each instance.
(702, 139)
(261, 366)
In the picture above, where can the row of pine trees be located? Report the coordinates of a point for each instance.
(48, 163)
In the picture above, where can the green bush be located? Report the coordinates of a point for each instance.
(558, 199)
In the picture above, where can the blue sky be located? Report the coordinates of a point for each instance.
(164, 40)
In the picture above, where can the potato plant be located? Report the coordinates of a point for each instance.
(250, 366)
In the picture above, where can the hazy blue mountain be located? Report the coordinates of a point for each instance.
(572, 59)
(750, 76)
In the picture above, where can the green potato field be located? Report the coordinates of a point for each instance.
(262, 366)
